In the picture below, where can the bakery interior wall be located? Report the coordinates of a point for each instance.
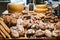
(3, 5)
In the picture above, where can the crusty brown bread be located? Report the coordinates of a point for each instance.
(4, 31)
(15, 8)
(2, 34)
(5, 26)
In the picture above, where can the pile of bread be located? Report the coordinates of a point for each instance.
(4, 29)
(30, 25)
(41, 23)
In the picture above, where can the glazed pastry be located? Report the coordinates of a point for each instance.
(54, 34)
(25, 23)
(57, 32)
(20, 29)
(30, 31)
(19, 21)
(43, 25)
(35, 26)
(57, 26)
(39, 33)
(14, 32)
(50, 25)
(48, 33)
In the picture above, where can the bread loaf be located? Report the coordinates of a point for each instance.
(15, 8)
(40, 10)
(41, 6)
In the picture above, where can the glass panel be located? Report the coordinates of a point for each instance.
(16, 1)
(3, 0)
(19, 1)
(39, 1)
(55, 0)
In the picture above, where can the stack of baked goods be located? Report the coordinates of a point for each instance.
(41, 8)
(30, 25)
(4, 29)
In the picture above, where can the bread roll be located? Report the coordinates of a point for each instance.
(14, 33)
(48, 33)
(57, 26)
(40, 32)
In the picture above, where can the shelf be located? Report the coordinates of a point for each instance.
(4, 1)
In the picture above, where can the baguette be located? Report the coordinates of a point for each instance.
(1, 19)
(4, 31)
(5, 26)
(2, 34)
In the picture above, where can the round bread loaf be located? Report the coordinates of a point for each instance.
(15, 8)
(41, 10)
(41, 6)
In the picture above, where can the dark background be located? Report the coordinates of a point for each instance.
(3, 5)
